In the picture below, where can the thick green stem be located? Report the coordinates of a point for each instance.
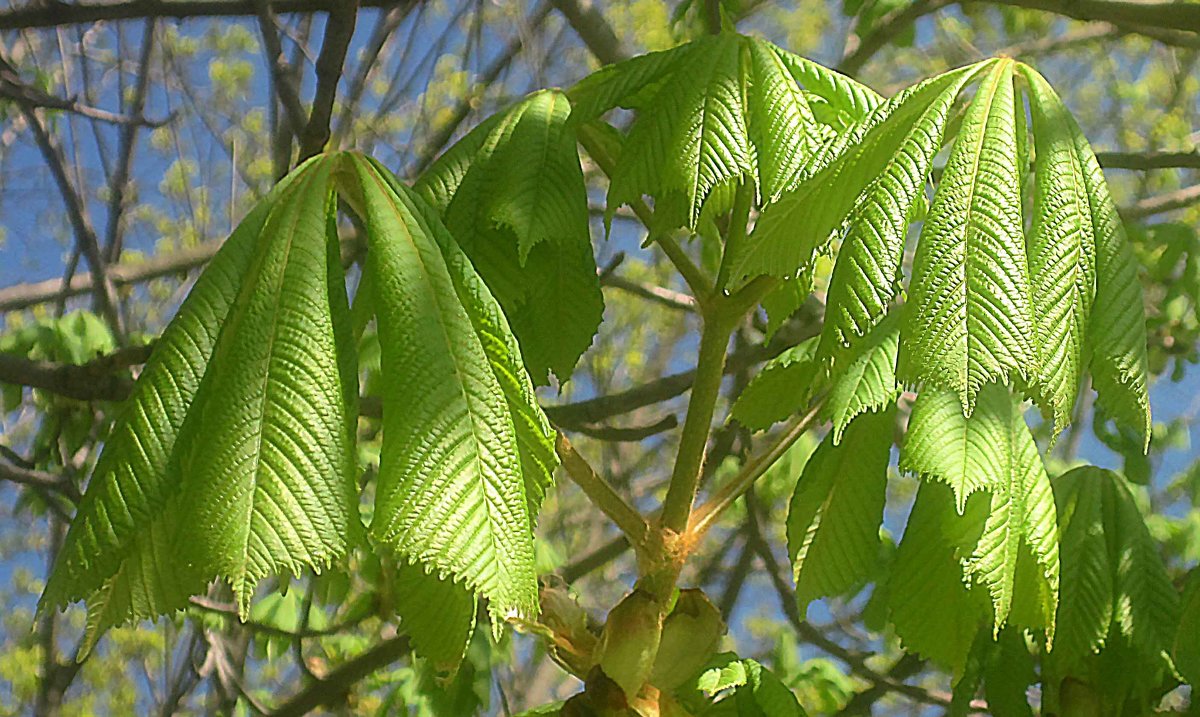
(710, 368)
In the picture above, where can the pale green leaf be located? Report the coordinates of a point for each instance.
(866, 274)
(835, 513)
(1117, 331)
(451, 490)
(436, 613)
(969, 320)
(1117, 578)
(270, 480)
(1062, 253)
(122, 551)
(781, 388)
(803, 219)
(992, 451)
(693, 136)
(512, 194)
(927, 573)
(866, 379)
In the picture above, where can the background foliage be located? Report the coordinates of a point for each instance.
(131, 140)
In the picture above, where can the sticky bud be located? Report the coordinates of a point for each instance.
(689, 638)
(569, 629)
(630, 639)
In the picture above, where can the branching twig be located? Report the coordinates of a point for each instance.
(339, 29)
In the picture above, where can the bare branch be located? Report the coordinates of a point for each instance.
(592, 27)
(53, 13)
(337, 684)
(339, 29)
(1149, 160)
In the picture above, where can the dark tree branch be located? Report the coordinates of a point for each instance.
(1171, 23)
(85, 234)
(127, 147)
(281, 79)
(54, 13)
(591, 26)
(1149, 160)
(339, 29)
(335, 686)
(39, 479)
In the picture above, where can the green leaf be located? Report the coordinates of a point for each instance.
(692, 137)
(867, 271)
(835, 513)
(776, 108)
(927, 571)
(272, 484)
(781, 388)
(756, 691)
(1117, 331)
(512, 194)
(992, 451)
(838, 100)
(803, 219)
(453, 491)
(122, 551)
(866, 380)
(1114, 582)
(1186, 651)
(436, 613)
(969, 320)
(1062, 252)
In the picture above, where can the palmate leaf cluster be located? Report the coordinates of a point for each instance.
(235, 457)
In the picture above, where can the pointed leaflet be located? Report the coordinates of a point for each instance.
(269, 480)
(119, 551)
(992, 450)
(867, 271)
(512, 193)
(866, 380)
(927, 574)
(437, 613)
(451, 491)
(780, 389)
(1119, 581)
(835, 513)
(777, 109)
(969, 319)
(1062, 253)
(1086, 606)
(535, 436)
(803, 219)
(1117, 331)
(693, 136)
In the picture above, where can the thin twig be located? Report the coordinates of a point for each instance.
(602, 495)
(339, 29)
(707, 514)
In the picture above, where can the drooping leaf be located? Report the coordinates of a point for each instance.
(714, 112)
(803, 219)
(993, 451)
(1117, 330)
(781, 388)
(834, 517)
(122, 551)
(436, 613)
(866, 379)
(512, 194)
(969, 320)
(1062, 252)
(452, 489)
(693, 136)
(1115, 587)
(268, 469)
(927, 571)
(867, 271)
